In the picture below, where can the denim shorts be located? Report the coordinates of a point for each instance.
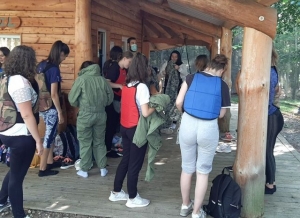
(198, 142)
(51, 122)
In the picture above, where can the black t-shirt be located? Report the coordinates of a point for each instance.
(224, 89)
(113, 72)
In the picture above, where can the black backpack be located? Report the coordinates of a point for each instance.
(225, 197)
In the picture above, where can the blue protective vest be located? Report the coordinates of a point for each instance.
(203, 99)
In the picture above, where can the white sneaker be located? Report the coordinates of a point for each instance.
(137, 202)
(121, 196)
(82, 174)
(225, 148)
(103, 172)
(77, 165)
(186, 210)
(202, 214)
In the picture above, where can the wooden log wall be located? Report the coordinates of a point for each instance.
(118, 19)
(42, 23)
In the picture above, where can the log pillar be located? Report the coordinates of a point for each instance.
(83, 34)
(249, 166)
(146, 49)
(226, 49)
(214, 50)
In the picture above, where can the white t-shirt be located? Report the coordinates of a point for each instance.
(20, 90)
(182, 70)
(142, 94)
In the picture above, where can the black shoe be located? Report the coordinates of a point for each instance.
(269, 191)
(67, 165)
(4, 206)
(55, 164)
(47, 172)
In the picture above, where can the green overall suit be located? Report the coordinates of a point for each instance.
(91, 93)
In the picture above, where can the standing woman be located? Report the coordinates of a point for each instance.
(173, 82)
(91, 93)
(275, 125)
(180, 68)
(23, 137)
(198, 144)
(115, 72)
(54, 115)
(4, 52)
(135, 99)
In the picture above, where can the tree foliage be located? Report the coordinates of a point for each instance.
(288, 15)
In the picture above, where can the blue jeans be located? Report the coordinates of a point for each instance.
(51, 121)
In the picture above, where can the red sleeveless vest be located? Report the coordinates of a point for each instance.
(129, 109)
(121, 80)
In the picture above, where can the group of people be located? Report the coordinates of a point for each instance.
(113, 99)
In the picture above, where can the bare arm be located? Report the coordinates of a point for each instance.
(146, 110)
(222, 112)
(55, 99)
(29, 119)
(180, 97)
(114, 85)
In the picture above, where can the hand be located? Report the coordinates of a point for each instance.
(177, 67)
(39, 148)
(121, 86)
(56, 158)
(60, 118)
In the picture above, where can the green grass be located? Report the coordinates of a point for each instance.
(286, 105)
(234, 99)
(289, 106)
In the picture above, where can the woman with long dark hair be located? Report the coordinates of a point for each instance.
(135, 99)
(115, 71)
(4, 52)
(23, 137)
(54, 115)
(173, 81)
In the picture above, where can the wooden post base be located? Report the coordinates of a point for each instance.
(249, 167)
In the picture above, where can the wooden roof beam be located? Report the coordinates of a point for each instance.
(243, 13)
(178, 41)
(181, 19)
(152, 27)
(178, 27)
(161, 29)
(173, 33)
(148, 32)
(267, 2)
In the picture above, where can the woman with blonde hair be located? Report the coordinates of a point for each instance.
(275, 125)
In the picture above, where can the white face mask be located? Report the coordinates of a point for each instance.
(133, 47)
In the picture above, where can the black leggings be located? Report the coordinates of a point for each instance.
(275, 124)
(22, 149)
(131, 163)
(112, 123)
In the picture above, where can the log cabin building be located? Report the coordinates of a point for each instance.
(92, 27)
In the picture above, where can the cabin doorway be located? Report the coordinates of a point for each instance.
(101, 47)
